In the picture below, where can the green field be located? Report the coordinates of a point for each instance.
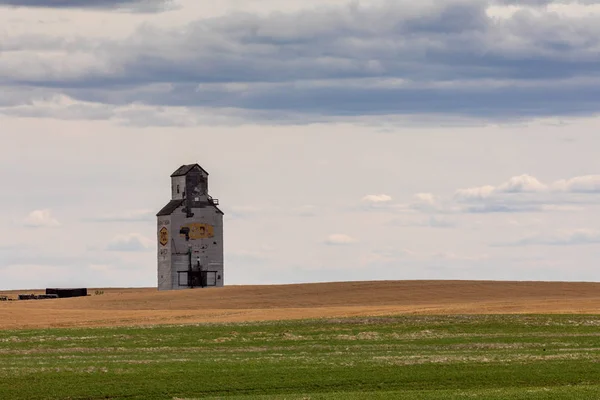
(408, 357)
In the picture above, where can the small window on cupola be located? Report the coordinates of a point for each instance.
(177, 189)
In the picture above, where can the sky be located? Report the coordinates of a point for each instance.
(361, 140)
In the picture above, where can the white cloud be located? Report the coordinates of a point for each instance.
(339, 239)
(377, 198)
(425, 198)
(529, 184)
(374, 202)
(522, 193)
(131, 242)
(521, 184)
(43, 103)
(579, 184)
(41, 219)
(517, 184)
(425, 202)
(475, 193)
(526, 193)
(519, 194)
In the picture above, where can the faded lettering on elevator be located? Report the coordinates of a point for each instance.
(200, 230)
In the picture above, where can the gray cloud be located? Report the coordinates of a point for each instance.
(502, 208)
(449, 59)
(431, 222)
(543, 3)
(560, 238)
(128, 5)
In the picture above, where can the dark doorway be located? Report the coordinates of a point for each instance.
(197, 278)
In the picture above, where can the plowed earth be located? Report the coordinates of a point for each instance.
(147, 306)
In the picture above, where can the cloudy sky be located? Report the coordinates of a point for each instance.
(360, 140)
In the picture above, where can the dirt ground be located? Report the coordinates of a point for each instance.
(147, 306)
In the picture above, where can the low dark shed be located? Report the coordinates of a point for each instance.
(62, 293)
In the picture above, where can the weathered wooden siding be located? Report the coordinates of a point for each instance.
(203, 219)
(164, 253)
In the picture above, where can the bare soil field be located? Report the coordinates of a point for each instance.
(147, 306)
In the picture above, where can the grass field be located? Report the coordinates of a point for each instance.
(408, 357)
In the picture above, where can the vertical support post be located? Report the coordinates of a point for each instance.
(190, 278)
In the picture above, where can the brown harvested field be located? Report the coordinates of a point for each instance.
(147, 306)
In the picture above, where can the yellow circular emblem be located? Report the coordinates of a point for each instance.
(164, 236)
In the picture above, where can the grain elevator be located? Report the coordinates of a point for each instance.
(190, 234)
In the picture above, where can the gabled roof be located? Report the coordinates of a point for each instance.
(175, 204)
(185, 169)
(170, 207)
